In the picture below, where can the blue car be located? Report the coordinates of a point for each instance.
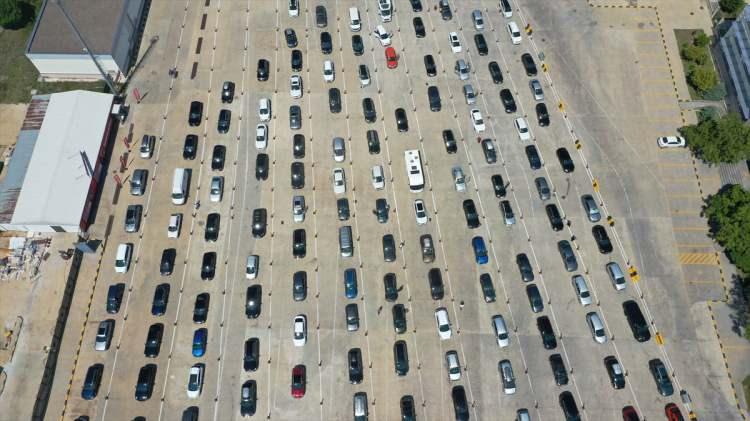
(480, 250)
(200, 337)
(350, 283)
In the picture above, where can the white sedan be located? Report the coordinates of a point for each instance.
(420, 211)
(264, 109)
(328, 72)
(443, 324)
(477, 120)
(455, 42)
(295, 83)
(671, 142)
(261, 136)
(195, 381)
(378, 181)
(522, 128)
(300, 330)
(382, 35)
(339, 181)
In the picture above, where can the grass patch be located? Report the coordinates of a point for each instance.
(746, 389)
(18, 76)
(687, 36)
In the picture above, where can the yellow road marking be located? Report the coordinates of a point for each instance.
(698, 259)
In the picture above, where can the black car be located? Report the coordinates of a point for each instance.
(615, 372)
(470, 211)
(251, 359)
(263, 70)
(429, 65)
(553, 214)
(524, 266)
(252, 301)
(291, 37)
(298, 146)
(481, 44)
(433, 96)
(298, 175)
(227, 92)
(217, 157)
(661, 377)
(498, 185)
(559, 372)
(299, 285)
(153, 340)
(535, 162)
(296, 60)
(602, 239)
(636, 321)
(568, 406)
(195, 115)
(166, 266)
(114, 297)
(445, 10)
(460, 405)
(295, 117)
(495, 72)
(381, 210)
(200, 310)
(567, 255)
(190, 148)
(248, 398)
(488, 149)
(259, 222)
(566, 162)
(450, 141)
(326, 44)
(145, 383)
(358, 47)
(528, 64)
(402, 124)
(535, 298)
(342, 208)
(408, 412)
(373, 142)
(321, 17)
(542, 116)
(261, 166)
(213, 224)
(389, 248)
(545, 330)
(356, 371)
(399, 318)
(161, 298)
(389, 284)
(334, 100)
(368, 109)
(418, 27)
(225, 117)
(508, 102)
(416, 5)
(299, 243)
(208, 266)
(435, 280)
(488, 291)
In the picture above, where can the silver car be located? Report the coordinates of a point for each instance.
(476, 18)
(104, 335)
(590, 207)
(536, 89)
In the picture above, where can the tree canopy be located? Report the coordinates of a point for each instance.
(11, 13)
(717, 141)
(728, 213)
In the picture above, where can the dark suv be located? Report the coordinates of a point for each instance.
(259, 222)
(299, 244)
(213, 224)
(368, 109)
(433, 95)
(636, 321)
(528, 64)
(545, 330)
(508, 102)
(559, 372)
(435, 279)
(196, 113)
(470, 211)
(450, 141)
(208, 266)
(553, 214)
(389, 248)
(190, 148)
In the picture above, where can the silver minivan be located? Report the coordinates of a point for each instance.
(461, 69)
(345, 241)
(469, 94)
(597, 327)
(360, 406)
(476, 18)
(582, 290)
(616, 276)
(501, 331)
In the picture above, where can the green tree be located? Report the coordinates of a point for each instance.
(722, 140)
(700, 39)
(731, 6)
(11, 13)
(693, 53)
(728, 214)
(702, 78)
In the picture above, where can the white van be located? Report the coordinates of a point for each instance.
(122, 258)
(346, 245)
(501, 331)
(354, 23)
(179, 186)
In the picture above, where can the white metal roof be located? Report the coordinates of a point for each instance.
(56, 184)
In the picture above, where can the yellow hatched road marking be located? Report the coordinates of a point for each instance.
(698, 259)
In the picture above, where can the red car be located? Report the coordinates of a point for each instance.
(298, 381)
(673, 412)
(391, 58)
(629, 414)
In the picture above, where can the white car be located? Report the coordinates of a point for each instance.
(459, 181)
(339, 149)
(671, 142)
(455, 42)
(293, 8)
(522, 128)
(175, 223)
(195, 381)
(443, 324)
(252, 267)
(300, 330)
(420, 211)
(217, 188)
(329, 73)
(339, 181)
(378, 181)
(264, 109)
(295, 86)
(514, 32)
(261, 136)
(454, 368)
(477, 120)
(382, 35)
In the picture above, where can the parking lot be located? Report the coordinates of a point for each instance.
(233, 35)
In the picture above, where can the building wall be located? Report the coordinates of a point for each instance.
(735, 45)
(128, 34)
(72, 67)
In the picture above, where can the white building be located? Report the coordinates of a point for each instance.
(111, 28)
(53, 177)
(735, 45)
